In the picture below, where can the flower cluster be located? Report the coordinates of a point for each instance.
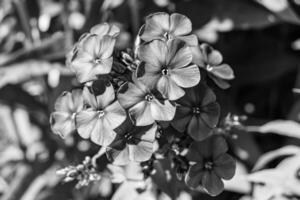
(163, 92)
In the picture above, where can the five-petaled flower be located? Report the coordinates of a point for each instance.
(211, 165)
(145, 105)
(197, 112)
(167, 27)
(93, 58)
(67, 105)
(133, 143)
(100, 30)
(166, 66)
(102, 116)
(210, 60)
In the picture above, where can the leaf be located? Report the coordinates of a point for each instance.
(281, 180)
(269, 156)
(282, 9)
(239, 182)
(280, 127)
(17, 73)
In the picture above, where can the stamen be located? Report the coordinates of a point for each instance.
(208, 165)
(165, 72)
(149, 97)
(209, 67)
(196, 110)
(97, 60)
(100, 113)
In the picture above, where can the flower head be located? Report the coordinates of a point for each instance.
(212, 164)
(167, 27)
(167, 67)
(197, 112)
(93, 57)
(102, 116)
(210, 60)
(133, 143)
(67, 105)
(145, 105)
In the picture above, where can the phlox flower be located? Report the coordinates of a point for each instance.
(67, 105)
(197, 112)
(145, 106)
(100, 30)
(166, 66)
(211, 60)
(133, 143)
(102, 116)
(212, 164)
(93, 58)
(167, 27)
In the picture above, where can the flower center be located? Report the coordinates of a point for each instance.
(73, 115)
(209, 67)
(149, 97)
(208, 165)
(165, 72)
(167, 35)
(196, 110)
(130, 139)
(100, 113)
(97, 60)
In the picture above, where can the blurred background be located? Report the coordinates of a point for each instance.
(260, 39)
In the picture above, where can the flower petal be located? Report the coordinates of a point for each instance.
(162, 112)
(104, 46)
(194, 153)
(223, 71)
(114, 115)
(198, 129)
(219, 82)
(211, 114)
(62, 123)
(214, 57)
(219, 145)
(90, 44)
(118, 157)
(64, 102)
(182, 118)
(156, 25)
(190, 40)
(103, 134)
(194, 175)
(141, 113)
(169, 88)
(130, 94)
(198, 57)
(100, 29)
(224, 166)
(150, 76)
(77, 99)
(86, 121)
(89, 98)
(212, 183)
(186, 77)
(141, 152)
(179, 54)
(103, 67)
(180, 24)
(154, 53)
(103, 100)
(208, 95)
